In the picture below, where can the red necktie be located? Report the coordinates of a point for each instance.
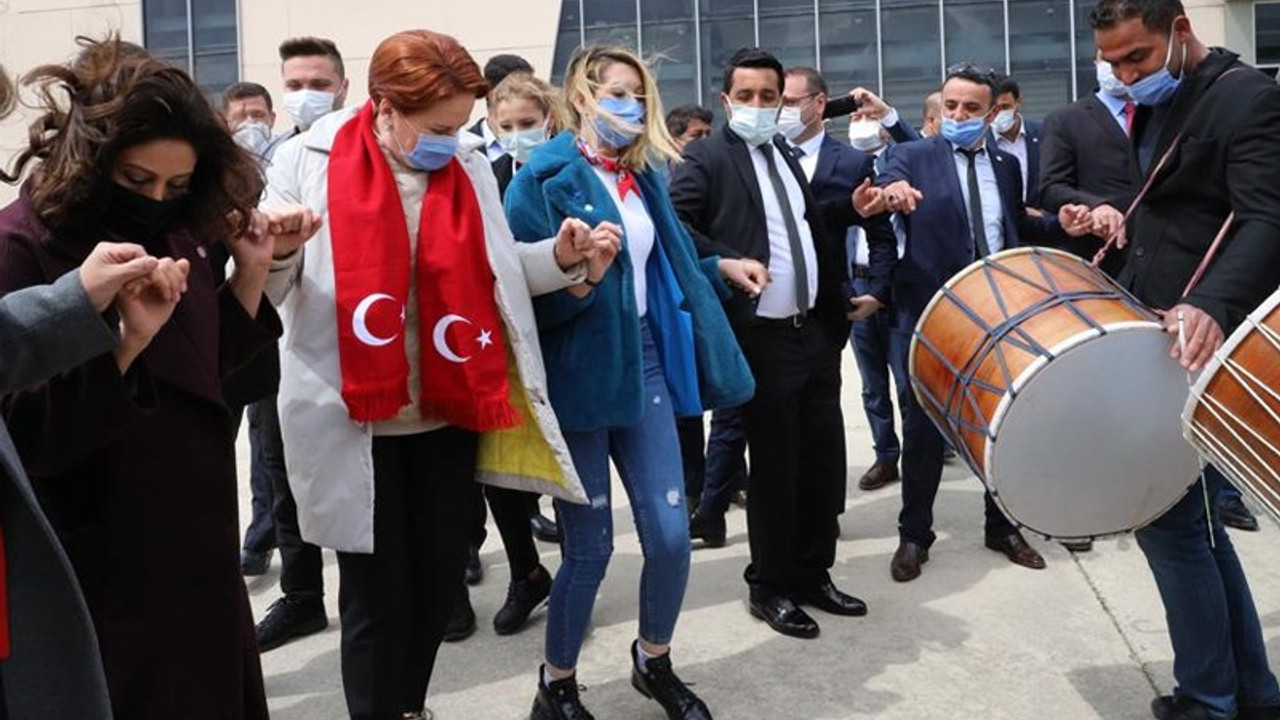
(1129, 110)
(626, 178)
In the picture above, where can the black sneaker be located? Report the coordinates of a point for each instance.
(254, 563)
(710, 530)
(523, 597)
(475, 569)
(289, 618)
(559, 701)
(545, 529)
(658, 681)
(462, 623)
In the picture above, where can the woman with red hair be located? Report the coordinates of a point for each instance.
(410, 359)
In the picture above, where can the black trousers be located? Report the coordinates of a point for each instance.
(301, 566)
(395, 603)
(795, 434)
(511, 510)
(693, 455)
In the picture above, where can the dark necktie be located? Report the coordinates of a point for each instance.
(793, 232)
(976, 222)
(797, 151)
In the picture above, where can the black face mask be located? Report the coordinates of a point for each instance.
(140, 219)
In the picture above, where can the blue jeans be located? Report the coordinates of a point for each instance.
(726, 470)
(1219, 657)
(266, 470)
(870, 339)
(648, 459)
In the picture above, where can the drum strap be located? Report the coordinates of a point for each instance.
(1146, 187)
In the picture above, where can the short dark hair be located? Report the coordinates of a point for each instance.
(244, 91)
(1006, 84)
(1157, 15)
(751, 57)
(812, 77)
(308, 46)
(678, 119)
(500, 66)
(974, 73)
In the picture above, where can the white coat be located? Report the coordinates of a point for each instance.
(329, 457)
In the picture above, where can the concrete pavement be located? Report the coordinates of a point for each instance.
(974, 637)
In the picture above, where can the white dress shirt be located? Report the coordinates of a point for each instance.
(778, 299)
(992, 211)
(492, 148)
(639, 233)
(809, 159)
(1017, 147)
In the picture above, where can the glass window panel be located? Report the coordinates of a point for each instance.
(786, 30)
(667, 34)
(1266, 32)
(1040, 53)
(215, 71)
(912, 51)
(568, 38)
(165, 30)
(215, 38)
(847, 32)
(727, 25)
(975, 32)
(610, 22)
(1086, 73)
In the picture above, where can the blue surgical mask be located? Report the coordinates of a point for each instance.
(519, 143)
(1160, 86)
(755, 125)
(1108, 82)
(963, 133)
(431, 152)
(629, 114)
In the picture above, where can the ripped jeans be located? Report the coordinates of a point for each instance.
(648, 459)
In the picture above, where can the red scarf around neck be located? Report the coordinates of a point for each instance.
(463, 363)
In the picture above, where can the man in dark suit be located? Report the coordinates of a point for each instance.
(1222, 120)
(972, 206)
(741, 193)
(1019, 137)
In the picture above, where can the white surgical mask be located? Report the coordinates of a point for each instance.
(519, 143)
(790, 122)
(865, 135)
(252, 135)
(755, 125)
(1005, 120)
(307, 106)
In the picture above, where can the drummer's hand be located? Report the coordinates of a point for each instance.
(1108, 221)
(1076, 220)
(1203, 335)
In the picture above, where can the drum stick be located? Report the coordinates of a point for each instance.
(1204, 486)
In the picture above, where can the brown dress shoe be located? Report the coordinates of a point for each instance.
(907, 560)
(877, 476)
(1015, 547)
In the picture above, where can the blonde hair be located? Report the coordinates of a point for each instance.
(654, 147)
(523, 86)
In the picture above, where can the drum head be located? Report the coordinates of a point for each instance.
(1092, 445)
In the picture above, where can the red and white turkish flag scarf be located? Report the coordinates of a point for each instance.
(463, 362)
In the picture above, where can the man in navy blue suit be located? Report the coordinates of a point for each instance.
(1020, 138)
(960, 199)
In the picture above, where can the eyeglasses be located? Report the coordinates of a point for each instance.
(800, 102)
(971, 68)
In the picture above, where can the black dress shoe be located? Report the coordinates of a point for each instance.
(523, 597)
(710, 530)
(784, 616)
(254, 563)
(462, 623)
(1233, 513)
(878, 476)
(475, 570)
(1169, 707)
(544, 528)
(906, 562)
(1016, 548)
(739, 498)
(289, 618)
(657, 681)
(559, 701)
(828, 598)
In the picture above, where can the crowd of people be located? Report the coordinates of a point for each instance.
(426, 320)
